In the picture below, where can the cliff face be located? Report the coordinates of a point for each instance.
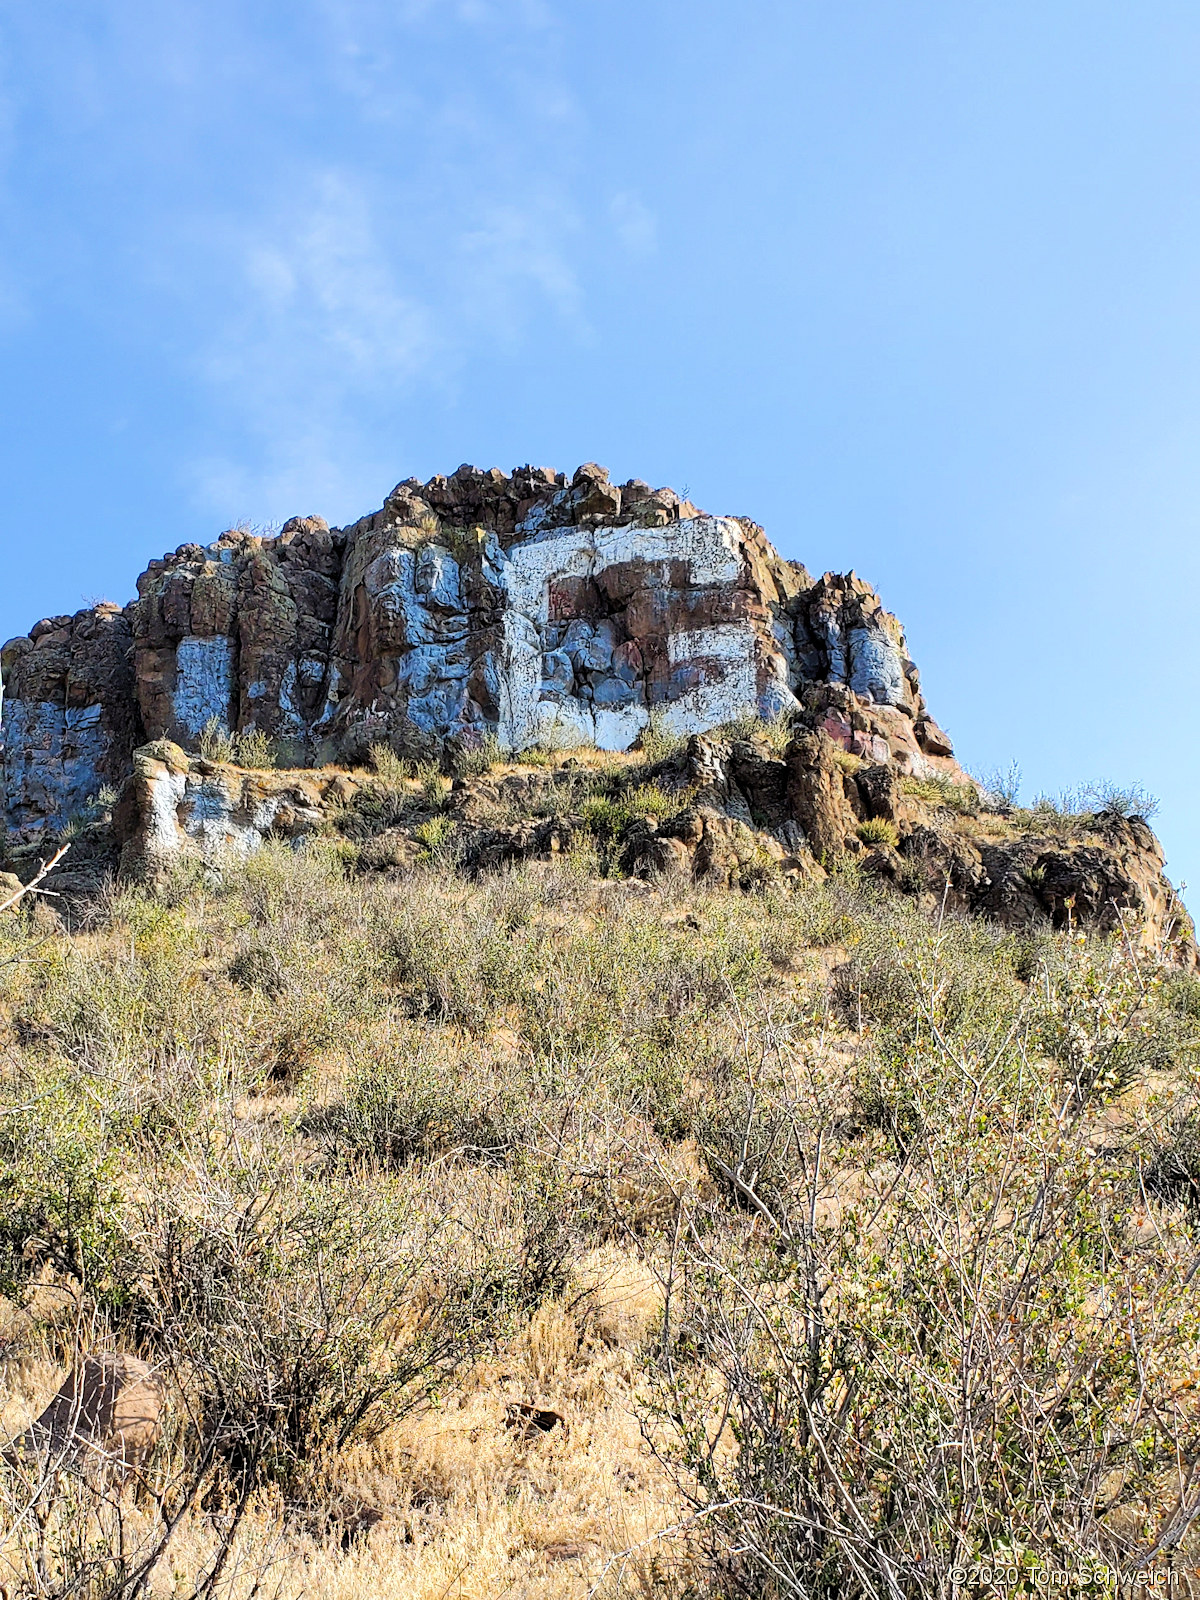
(537, 612)
(536, 609)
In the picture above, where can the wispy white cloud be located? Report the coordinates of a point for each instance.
(365, 283)
(328, 209)
(320, 300)
(319, 323)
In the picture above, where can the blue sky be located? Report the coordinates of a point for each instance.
(915, 284)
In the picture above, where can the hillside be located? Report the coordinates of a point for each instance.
(739, 1155)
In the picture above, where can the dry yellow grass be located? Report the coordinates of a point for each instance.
(466, 1505)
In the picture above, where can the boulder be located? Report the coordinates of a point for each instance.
(108, 1413)
(174, 804)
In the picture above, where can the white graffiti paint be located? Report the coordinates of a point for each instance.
(876, 667)
(709, 548)
(51, 760)
(204, 681)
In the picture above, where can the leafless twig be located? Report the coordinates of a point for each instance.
(32, 886)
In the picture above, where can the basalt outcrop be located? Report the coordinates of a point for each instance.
(503, 614)
(528, 607)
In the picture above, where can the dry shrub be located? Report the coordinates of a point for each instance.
(615, 1297)
(417, 1096)
(920, 1237)
(944, 1349)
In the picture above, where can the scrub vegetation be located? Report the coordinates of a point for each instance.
(556, 1234)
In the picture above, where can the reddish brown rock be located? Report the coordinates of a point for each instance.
(538, 610)
(523, 605)
(817, 796)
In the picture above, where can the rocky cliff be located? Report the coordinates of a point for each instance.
(484, 613)
(538, 610)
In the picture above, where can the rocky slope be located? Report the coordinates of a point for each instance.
(736, 809)
(531, 614)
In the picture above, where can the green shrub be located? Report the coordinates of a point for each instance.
(434, 833)
(389, 767)
(919, 1278)
(607, 816)
(1181, 993)
(1171, 1169)
(1130, 800)
(656, 743)
(1096, 1015)
(435, 786)
(216, 742)
(774, 732)
(1089, 798)
(448, 968)
(939, 790)
(252, 748)
(61, 1176)
(649, 800)
(914, 979)
(476, 759)
(604, 817)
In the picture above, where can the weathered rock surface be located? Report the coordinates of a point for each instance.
(70, 717)
(172, 803)
(537, 612)
(525, 606)
(108, 1413)
(746, 814)
(731, 811)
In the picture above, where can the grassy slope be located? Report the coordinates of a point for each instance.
(867, 1236)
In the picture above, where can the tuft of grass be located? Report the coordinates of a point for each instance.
(434, 833)
(95, 809)
(216, 741)
(253, 748)
(656, 742)
(774, 732)
(247, 748)
(878, 830)
(938, 790)
(389, 767)
(477, 759)
(848, 761)
(435, 786)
